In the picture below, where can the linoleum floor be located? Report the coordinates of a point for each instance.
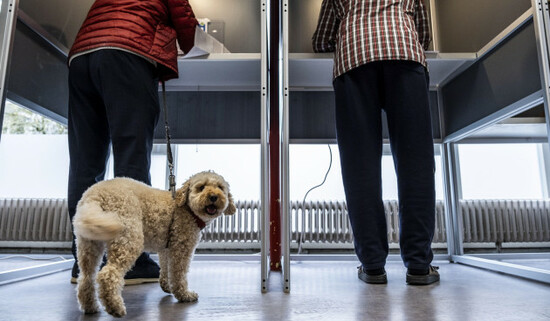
(320, 290)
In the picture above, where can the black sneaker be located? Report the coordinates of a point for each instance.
(146, 270)
(372, 279)
(76, 270)
(74, 273)
(431, 277)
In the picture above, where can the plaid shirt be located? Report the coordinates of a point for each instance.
(362, 31)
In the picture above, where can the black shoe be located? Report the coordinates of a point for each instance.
(372, 279)
(431, 277)
(146, 270)
(74, 272)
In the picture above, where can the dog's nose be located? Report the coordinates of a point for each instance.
(213, 198)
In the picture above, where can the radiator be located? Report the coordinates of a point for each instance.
(34, 220)
(47, 220)
(499, 221)
(243, 226)
(494, 221)
(327, 222)
(320, 222)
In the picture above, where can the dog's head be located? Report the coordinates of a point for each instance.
(207, 196)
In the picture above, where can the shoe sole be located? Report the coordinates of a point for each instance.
(374, 279)
(422, 279)
(140, 281)
(130, 281)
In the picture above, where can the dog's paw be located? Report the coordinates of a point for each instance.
(88, 302)
(165, 286)
(187, 296)
(90, 309)
(116, 311)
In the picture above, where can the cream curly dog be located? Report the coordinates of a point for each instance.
(126, 217)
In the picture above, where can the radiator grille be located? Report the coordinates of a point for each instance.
(506, 220)
(34, 220)
(320, 222)
(243, 226)
(327, 222)
(494, 221)
(47, 220)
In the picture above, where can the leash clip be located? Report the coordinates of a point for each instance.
(173, 186)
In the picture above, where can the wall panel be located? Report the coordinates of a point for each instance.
(501, 78)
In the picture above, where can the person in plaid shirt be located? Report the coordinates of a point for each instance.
(380, 64)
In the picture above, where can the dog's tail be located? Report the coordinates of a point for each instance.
(93, 223)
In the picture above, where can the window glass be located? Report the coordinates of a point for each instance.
(500, 171)
(158, 167)
(238, 164)
(34, 162)
(34, 157)
(309, 164)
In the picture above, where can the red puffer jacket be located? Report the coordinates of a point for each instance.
(149, 28)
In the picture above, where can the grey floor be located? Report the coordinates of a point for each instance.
(321, 290)
(9, 262)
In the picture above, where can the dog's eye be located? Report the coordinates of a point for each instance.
(220, 187)
(200, 188)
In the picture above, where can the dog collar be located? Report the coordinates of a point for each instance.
(200, 223)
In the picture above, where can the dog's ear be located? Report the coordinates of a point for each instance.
(231, 209)
(181, 194)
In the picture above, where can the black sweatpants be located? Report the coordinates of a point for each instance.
(400, 88)
(113, 99)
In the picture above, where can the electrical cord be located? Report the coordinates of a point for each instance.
(301, 239)
(33, 258)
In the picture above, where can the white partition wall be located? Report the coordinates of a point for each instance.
(485, 103)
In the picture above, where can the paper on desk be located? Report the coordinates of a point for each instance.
(204, 44)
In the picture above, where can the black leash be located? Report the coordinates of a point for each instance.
(170, 158)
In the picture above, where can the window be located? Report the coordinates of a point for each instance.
(34, 162)
(34, 158)
(501, 171)
(158, 168)
(238, 164)
(309, 164)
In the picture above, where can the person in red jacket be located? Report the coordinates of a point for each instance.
(123, 49)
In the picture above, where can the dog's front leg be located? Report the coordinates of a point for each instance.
(164, 279)
(179, 261)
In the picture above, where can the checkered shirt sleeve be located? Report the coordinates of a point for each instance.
(324, 38)
(422, 24)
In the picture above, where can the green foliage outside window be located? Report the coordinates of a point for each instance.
(18, 120)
